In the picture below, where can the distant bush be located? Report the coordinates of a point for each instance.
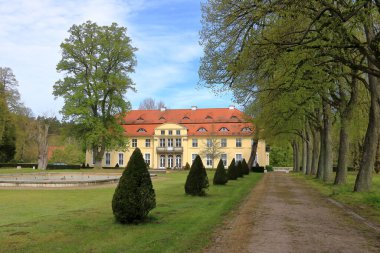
(220, 176)
(269, 168)
(245, 167)
(187, 166)
(117, 165)
(197, 181)
(134, 196)
(232, 172)
(14, 165)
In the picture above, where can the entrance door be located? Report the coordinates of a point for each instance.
(162, 161)
(170, 161)
(178, 161)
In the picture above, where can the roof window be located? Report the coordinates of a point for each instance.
(224, 129)
(202, 129)
(141, 130)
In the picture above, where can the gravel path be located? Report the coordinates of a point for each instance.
(283, 214)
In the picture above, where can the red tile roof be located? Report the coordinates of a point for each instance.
(212, 119)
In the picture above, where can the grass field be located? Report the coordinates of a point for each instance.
(364, 203)
(81, 220)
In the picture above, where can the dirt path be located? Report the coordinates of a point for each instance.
(282, 214)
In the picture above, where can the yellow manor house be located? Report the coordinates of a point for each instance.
(170, 138)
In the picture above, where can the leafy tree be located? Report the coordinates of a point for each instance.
(220, 176)
(280, 156)
(8, 143)
(197, 180)
(134, 196)
(71, 153)
(232, 171)
(97, 61)
(239, 168)
(245, 167)
(151, 104)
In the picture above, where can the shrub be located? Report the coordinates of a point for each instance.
(239, 168)
(197, 181)
(187, 166)
(117, 165)
(258, 169)
(232, 172)
(245, 167)
(220, 177)
(269, 168)
(134, 196)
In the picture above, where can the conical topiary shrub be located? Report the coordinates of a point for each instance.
(232, 172)
(245, 167)
(134, 196)
(239, 168)
(220, 176)
(197, 181)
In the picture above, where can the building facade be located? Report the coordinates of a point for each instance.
(170, 138)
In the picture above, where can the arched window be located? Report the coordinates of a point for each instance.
(141, 130)
(202, 129)
(161, 118)
(246, 129)
(208, 117)
(185, 117)
(224, 129)
(140, 118)
(234, 117)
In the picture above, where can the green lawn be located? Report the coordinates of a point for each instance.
(81, 220)
(365, 203)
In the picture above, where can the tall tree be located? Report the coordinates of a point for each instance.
(97, 61)
(151, 104)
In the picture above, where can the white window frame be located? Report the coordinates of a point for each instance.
(194, 143)
(178, 161)
(162, 161)
(170, 161)
(121, 159)
(239, 142)
(170, 132)
(108, 158)
(209, 143)
(162, 132)
(178, 132)
(209, 160)
(147, 158)
(178, 142)
(223, 157)
(162, 143)
(147, 143)
(170, 142)
(134, 143)
(236, 157)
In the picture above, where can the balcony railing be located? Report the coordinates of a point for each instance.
(169, 149)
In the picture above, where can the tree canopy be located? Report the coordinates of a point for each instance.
(96, 61)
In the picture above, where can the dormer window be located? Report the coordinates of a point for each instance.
(202, 129)
(224, 129)
(139, 118)
(141, 130)
(185, 117)
(234, 117)
(208, 117)
(246, 129)
(161, 118)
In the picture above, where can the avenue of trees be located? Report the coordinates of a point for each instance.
(308, 71)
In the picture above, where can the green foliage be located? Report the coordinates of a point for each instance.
(245, 167)
(269, 168)
(96, 61)
(197, 180)
(232, 171)
(220, 176)
(8, 143)
(134, 196)
(71, 153)
(239, 168)
(281, 157)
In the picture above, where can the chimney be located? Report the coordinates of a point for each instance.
(231, 107)
(193, 108)
(162, 109)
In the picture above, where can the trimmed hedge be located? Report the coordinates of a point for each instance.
(14, 165)
(269, 168)
(258, 169)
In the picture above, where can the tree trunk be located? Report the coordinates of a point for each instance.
(304, 153)
(252, 158)
(43, 130)
(314, 163)
(327, 125)
(364, 178)
(309, 151)
(341, 173)
(321, 161)
(295, 162)
(98, 153)
(377, 163)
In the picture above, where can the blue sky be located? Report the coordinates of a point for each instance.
(166, 33)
